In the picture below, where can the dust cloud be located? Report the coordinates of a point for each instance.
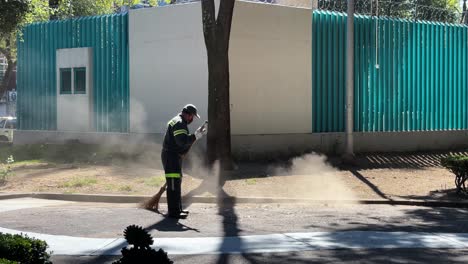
(305, 177)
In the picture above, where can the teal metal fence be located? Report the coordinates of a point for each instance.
(36, 77)
(409, 76)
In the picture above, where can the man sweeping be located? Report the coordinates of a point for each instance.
(177, 142)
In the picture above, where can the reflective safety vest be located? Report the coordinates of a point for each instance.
(177, 138)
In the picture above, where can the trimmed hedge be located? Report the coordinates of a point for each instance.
(458, 164)
(23, 249)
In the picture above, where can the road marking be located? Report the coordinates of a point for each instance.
(284, 242)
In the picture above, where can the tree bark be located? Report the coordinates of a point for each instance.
(217, 34)
(11, 65)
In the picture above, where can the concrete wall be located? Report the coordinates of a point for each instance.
(251, 147)
(167, 65)
(74, 111)
(270, 64)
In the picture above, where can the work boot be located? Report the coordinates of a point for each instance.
(178, 216)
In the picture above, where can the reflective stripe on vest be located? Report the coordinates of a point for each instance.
(180, 132)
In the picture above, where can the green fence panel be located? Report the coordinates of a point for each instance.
(409, 75)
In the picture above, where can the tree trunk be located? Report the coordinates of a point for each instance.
(11, 65)
(217, 34)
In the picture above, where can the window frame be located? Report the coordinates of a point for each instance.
(62, 70)
(75, 80)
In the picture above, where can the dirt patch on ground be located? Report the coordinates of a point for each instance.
(250, 181)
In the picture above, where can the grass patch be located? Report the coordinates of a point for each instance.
(251, 181)
(79, 182)
(68, 153)
(110, 187)
(125, 188)
(155, 181)
(28, 162)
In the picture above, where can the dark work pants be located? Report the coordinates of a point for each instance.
(172, 163)
(174, 200)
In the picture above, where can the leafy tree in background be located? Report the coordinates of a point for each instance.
(430, 10)
(440, 10)
(14, 14)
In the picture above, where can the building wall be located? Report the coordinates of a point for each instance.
(168, 65)
(270, 64)
(252, 147)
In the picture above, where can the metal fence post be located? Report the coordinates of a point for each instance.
(349, 151)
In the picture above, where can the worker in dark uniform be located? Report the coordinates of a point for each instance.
(177, 143)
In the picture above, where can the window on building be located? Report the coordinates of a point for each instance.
(80, 80)
(65, 81)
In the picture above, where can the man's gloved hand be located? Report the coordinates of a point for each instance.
(201, 131)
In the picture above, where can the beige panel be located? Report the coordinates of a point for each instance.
(270, 61)
(168, 65)
(298, 3)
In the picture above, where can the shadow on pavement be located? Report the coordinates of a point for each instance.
(170, 225)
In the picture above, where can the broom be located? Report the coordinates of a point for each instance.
(153, 203)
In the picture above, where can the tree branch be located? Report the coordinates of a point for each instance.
(226, 10)
(209, 23)
(6, 79)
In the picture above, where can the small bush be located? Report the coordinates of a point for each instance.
(141, 251)
(458, 164)
(23, 249)
(6, 261)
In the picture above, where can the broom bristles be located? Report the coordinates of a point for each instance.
(153, 202)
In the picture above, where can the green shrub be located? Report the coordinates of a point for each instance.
(141, 251)
(458, 164)
(6, 261)
(23, 249)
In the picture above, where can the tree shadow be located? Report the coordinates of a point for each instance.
(168, 224)
(230, 221)
(405, 160)
(428, 220)
(440, 195)
(374, 188)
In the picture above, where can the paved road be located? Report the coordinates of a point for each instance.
(405, 233)
(208, 220)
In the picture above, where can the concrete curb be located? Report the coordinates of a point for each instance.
(99, 198)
